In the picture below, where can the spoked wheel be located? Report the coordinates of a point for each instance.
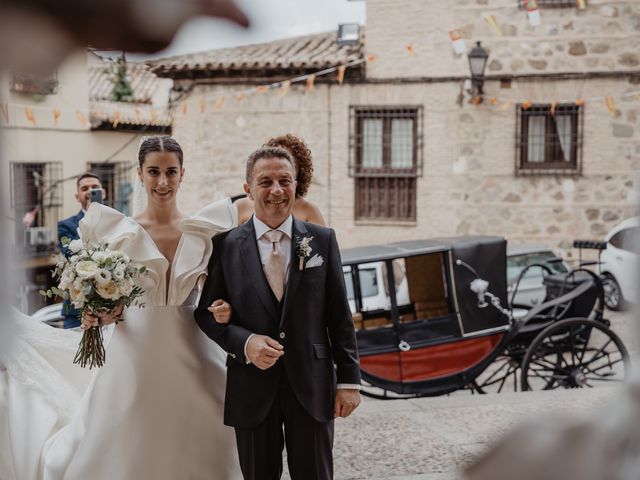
(502, 375)
(575, 353)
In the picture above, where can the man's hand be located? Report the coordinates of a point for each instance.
(347, 400)
(263, 351)
(221, 311)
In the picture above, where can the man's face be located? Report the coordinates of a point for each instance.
(86, 184)
(272, 190)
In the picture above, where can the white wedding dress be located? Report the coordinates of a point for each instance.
(154, 411)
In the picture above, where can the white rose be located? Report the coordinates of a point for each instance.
(118, 272)
(99, 257)
(76, 295)
(86, 268)
(108, 291)
(102, 276)
(126, 287)
(75, 246)
(68, 275)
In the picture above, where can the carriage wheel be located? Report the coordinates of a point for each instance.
(574, 353)
(502, 375)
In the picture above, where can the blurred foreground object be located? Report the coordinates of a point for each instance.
(602, 447)
(38, 34)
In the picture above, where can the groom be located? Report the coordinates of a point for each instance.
(292, 358)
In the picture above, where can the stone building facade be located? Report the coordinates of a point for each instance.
(468, 175)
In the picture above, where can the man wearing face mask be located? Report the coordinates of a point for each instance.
(68, 228)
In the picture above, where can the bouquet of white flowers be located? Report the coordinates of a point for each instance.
(96, 280)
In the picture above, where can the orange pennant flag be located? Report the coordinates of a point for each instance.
(5, 113)
(493, 101)
(371, 58)
(284, 87)
(203, 105)
(410, 49)
(554, 105)
(581, 4)
(56, 116)
(30, 116)
(611, 105)
(493, 23)
(261, 89)
(526, 105)
(580, 102)
(154, 115)
(310, 81)
(218, 105)
(138, 115)
(83, 119)
(505, 106)
(341, 70)
(116, 119)
(185, 108)
(240, 96)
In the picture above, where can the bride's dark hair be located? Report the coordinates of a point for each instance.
(160, 143)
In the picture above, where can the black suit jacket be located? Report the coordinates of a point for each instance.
(313, 323)
(69, 228)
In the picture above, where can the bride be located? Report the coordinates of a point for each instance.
(154, 411)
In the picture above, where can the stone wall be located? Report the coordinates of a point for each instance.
(603, 37)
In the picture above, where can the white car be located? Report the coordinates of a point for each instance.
(51, 315)
(531, 290)
(620, 263)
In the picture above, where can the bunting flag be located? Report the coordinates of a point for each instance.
(493, 101)
(138, 114)
(493, 23)
(457, 41)
(410, 50)
(30, 116)
(185, 108)
(116, 119)
(310, 81)
(203, 105)
(580, 102)
(526, 105)
(341, 71)
(581, 4)
(505, 106)
(284, 87)
(554, 105)
(533, 12)
(154, 115)
(83, 119)
(5, 113)
(217, 106)
(610, 103)
(371, 58)
(56, 117)
(261, 89)
(240, 96)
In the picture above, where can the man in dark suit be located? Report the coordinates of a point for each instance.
(292, 357)
(68, 228)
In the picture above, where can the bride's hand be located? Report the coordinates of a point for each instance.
(221, 311)
(95, 320)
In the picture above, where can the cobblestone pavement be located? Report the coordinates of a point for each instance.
(432, 438)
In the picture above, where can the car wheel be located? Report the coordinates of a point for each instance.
(613, 298)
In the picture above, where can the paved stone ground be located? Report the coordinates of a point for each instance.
(432, 438)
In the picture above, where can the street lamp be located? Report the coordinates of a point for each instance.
(477, 63)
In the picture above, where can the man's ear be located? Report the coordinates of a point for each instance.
(104, 194)
(247, 190)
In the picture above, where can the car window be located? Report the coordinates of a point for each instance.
(517, 263)
(618, 239)
(631, 239)
(348, 281)
(368, 282)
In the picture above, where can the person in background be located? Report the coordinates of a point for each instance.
(302, 208)
(68, 228)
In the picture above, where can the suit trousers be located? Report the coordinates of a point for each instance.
(309, 442)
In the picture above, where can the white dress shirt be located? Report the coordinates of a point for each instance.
(264, 249)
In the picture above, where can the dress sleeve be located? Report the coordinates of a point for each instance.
(102, 223)
(217, 217)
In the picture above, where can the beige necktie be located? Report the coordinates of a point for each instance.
(274, 267)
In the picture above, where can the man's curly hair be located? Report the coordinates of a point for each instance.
(301, 155)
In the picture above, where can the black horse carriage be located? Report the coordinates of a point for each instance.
(432, 317)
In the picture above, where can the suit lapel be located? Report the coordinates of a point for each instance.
(295, 274)
(253, 267)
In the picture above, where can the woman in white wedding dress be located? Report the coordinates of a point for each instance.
(154, 411)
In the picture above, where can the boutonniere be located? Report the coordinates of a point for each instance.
(303, 249)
